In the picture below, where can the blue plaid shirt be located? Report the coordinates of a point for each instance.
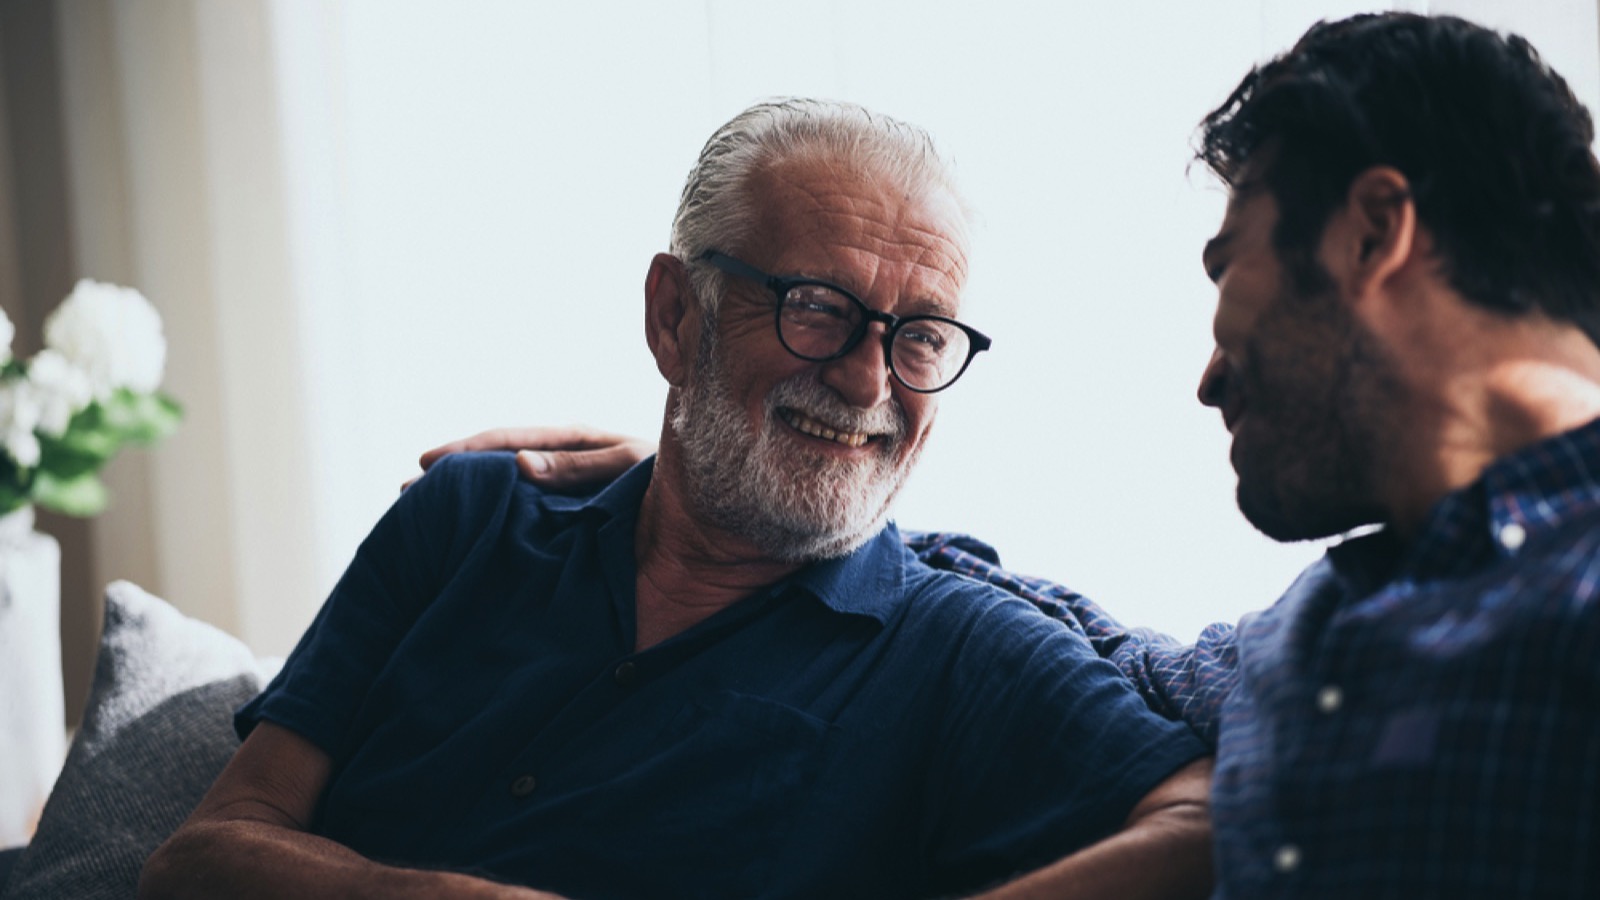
(1407, 721)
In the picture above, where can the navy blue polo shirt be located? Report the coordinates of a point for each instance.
(869, 727)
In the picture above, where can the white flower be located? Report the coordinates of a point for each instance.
(19, 416)
(23, 447)
(7, 332)
(112, 334)
(61, 389)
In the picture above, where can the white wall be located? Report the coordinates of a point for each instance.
(456, 203)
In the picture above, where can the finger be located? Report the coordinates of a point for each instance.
(459, 446)
(492, 439)
(571, 437)
(571, 469)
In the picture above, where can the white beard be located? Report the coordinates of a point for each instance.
(794, 505)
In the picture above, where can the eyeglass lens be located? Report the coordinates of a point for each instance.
(817, 322)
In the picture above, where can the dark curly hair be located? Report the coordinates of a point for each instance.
(1494, 144)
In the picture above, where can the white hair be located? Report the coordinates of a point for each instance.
(716, 209)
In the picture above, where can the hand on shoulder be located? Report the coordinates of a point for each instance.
(559, 459)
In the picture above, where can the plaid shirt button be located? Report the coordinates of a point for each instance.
(1287, 859)
(1330, 698)
(1512, 536)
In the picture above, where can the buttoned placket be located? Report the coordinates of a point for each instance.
(609, 688)
(612, 686)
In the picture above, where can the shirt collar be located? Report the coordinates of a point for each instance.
(618, 500)
(1517, 499)
(621, 498)
(1543, 486)
(869, 581)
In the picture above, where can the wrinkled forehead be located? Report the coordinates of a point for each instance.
(817, 210)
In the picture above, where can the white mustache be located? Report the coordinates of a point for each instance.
(809, 396)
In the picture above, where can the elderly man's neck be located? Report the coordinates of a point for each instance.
(687, 569)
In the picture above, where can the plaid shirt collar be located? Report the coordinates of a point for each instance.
(1517, 500)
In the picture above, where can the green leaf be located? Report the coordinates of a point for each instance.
(80, 496)
(140, 418)
(11, 499)
(81, 450)
(97, 432)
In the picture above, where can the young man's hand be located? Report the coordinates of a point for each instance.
(557, 458)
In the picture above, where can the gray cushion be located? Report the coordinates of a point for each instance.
(157, 730)
(8, 858)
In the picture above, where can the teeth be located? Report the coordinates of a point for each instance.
(817, 429)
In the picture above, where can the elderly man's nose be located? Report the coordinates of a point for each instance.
(861, 376)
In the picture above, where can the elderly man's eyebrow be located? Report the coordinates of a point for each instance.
(930, 306)
(923, 305)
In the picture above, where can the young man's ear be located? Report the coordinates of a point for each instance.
(671, 317)
(1372, 236)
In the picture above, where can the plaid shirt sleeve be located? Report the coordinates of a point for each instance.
(1179, 681)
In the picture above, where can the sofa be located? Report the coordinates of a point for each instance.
(156, 731)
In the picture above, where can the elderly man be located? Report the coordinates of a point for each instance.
(1409, 299)
(724, 676)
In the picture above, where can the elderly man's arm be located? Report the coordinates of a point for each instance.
(249, 838)
(1163, 851)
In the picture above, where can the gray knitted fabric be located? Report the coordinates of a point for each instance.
(157, 730)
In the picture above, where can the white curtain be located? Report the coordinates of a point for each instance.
(375, 225)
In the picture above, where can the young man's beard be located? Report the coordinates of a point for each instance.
(1320, 395)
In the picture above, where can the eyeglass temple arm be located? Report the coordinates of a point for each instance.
(735, 267)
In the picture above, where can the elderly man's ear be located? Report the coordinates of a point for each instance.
(671, 317)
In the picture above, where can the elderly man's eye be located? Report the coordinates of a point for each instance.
(925, 339)
(816, 304)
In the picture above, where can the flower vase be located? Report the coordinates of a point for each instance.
(32, 709)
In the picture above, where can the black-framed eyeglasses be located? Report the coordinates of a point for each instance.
(818, 321)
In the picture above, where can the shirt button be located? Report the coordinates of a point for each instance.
(1330, 698)
(625, 674)
(523, 786)
(1512, 536)
(1287, 859)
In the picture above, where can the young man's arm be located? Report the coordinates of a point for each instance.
(1163, 851)
(249, 837)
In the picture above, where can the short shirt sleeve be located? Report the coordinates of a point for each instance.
(1045, 748)
(1179, 681)
(425, 537)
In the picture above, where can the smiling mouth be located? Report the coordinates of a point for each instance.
(1231, 414)
(1233, 409)
(807, 425)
